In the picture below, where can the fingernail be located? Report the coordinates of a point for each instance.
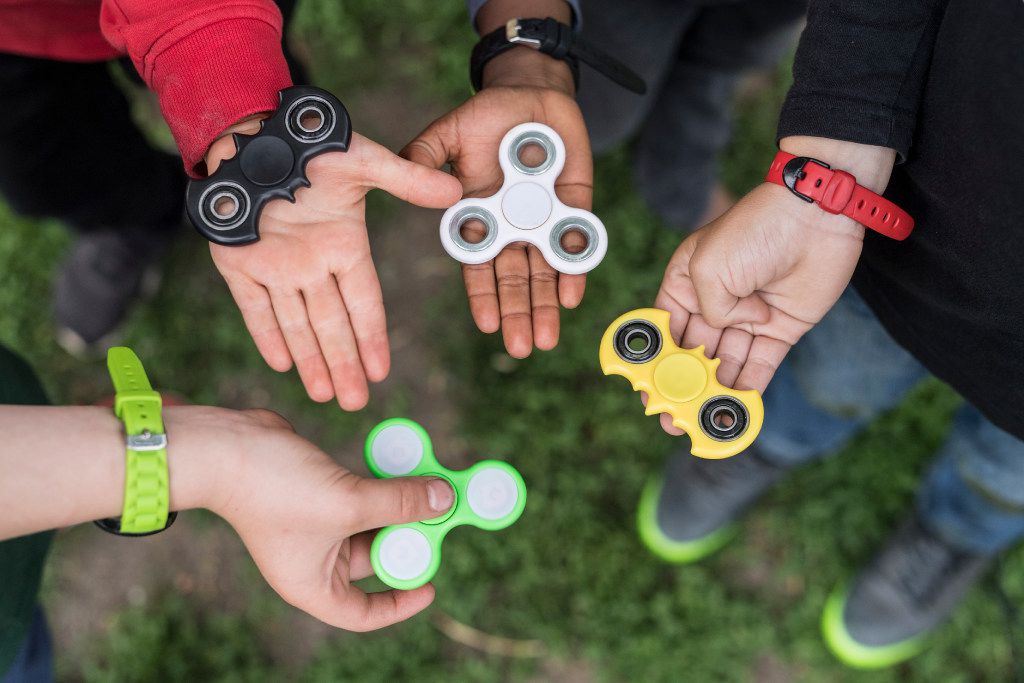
(440, 495)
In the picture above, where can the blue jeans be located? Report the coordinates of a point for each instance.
(34, 662)
(845, 372)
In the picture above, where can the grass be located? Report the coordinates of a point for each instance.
(571, 574)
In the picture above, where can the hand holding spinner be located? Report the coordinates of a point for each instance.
(526, 209)
(721, 422)
(489, 495)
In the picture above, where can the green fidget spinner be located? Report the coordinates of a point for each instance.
(489, 495)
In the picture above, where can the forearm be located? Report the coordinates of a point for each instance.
(523, 65)
(65, 465)
(211, 63)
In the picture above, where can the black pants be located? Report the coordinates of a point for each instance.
(69, 148)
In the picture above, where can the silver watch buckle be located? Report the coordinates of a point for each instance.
(512, 29)
(146, 441)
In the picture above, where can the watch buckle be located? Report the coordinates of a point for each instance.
(793, 171)
(146, 441)
(512, 31)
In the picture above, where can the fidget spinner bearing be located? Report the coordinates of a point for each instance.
(489, 495)
(720, 421)
(526, 209)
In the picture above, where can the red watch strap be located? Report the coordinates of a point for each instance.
(838, 192)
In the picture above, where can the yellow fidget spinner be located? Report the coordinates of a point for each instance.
(721, 422)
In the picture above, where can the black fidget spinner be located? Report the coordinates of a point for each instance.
(225, 207)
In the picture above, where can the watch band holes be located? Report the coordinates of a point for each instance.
(860, 204)
(874, 210)
(885, 217)
(817, 183)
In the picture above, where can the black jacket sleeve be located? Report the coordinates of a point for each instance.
(860, 70)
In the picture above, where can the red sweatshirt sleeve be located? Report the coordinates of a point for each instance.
(210, 62)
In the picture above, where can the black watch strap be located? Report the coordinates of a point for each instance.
(557, 40)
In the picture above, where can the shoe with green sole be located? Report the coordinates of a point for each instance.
(689, 512)
(890, 609)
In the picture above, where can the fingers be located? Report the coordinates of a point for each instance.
(666, 424)
(337, 343)
(353, 610)
(258, 312)
(763, 359)
(381, 502)
(512, 270)
(482, 292)
(412, 182)
(543, 300)
(364, 300)
(733, 349)
(571, 289)
(290, 309)
(699, 333)
(359, 566)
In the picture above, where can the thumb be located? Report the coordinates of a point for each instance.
(381, 502)
(412, 182)
(432, 148)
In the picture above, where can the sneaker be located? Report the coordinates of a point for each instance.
(907, 590)
(690, 511)
(105, 272)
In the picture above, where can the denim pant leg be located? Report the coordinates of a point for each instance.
(34, 661)
(974, 494)
(842, 374)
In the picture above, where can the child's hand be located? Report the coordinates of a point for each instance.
(748, 285)
(305, 520)
(518, 292)
(308, 289)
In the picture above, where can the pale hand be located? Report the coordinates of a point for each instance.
(308, 523)
(308, 289)
(748, 285)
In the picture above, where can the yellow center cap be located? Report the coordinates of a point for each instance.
(680, 377)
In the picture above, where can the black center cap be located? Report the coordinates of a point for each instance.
(267, 160)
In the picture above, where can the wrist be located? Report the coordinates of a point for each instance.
(223, 147)
(805, 216)
(526, 67)
(870, 165)
(203, 450)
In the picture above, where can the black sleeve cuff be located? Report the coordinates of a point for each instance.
(850, 121)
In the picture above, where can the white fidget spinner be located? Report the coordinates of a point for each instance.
(526, 209)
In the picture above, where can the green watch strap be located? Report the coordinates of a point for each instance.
(146, 487)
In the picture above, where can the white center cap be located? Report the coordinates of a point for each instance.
(492, 493)
(405, 554)
(526, 205)
(397, 450)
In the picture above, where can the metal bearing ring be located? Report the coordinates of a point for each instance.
(481, 214)
(300, 108)
(214, 194)
(536, 138)
(717, 407)
(632, 331)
